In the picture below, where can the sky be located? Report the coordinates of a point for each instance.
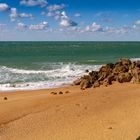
(69, 20)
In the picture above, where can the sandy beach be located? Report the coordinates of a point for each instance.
(105, 113)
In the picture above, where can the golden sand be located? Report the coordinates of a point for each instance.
(105, 113)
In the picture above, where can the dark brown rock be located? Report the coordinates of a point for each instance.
(120, 68)
(124, 77)
(93, 76)
(85, 84)
(54, 93)
(96, 84)
(125, 61)
(138, 63)
(86, 71)
(108, 80)
(122, 71)
(5, 98)
(60, 92)
(136, 75)
(105, 71)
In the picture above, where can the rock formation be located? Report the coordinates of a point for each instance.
(122, 71)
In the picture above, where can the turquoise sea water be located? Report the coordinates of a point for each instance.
(31, 65)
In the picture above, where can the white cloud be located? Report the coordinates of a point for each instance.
(24, 15)
(118, 30)
(21, 26)
(15, 15)
(56, 15)
(55, 11)
(51, 14)
(77, 14)
(55, 7)
(40, 26)
(41, 3)
(65, 21)
(94, 28)
(4, 7)
(137, 22)
(61, 17)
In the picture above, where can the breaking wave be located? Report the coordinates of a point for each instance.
(56, 76)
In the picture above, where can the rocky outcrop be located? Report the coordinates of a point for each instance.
(122, 71)
(124, 77)
(136, 75)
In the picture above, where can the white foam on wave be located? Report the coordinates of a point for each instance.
(21, 79)
(135, 59)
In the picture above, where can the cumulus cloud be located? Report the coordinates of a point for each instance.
(4, 7)
(55, 7)
(65, 21)
(94, 28)
(21, 25)
(41, 3)
(55, 14)
(55, 11)
(61, 17)
(77, 14)
(25, 15)
(15, 15)
(40, 26)
(118, 30)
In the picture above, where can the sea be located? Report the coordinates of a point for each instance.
(42, 65)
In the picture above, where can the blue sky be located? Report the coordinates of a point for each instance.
(69, 20)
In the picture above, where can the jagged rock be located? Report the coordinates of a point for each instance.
(105, 71)
(93, 76)
(108, 80)
(124, 77)
(96, 84)
(84, 84)
(88, 78)
(138, 63)
(132, 66)
(122, 71)
(136, 75)
(120, 68)
(125, 61)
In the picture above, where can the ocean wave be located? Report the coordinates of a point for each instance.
(19, 79)
(135, 59)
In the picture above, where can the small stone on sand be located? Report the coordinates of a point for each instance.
(60, 92)
(5, 98)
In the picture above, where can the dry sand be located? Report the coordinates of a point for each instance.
(105, 113)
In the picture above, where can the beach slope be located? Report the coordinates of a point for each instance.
(105, 113)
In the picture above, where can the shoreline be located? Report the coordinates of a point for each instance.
(39, 89)
(102, 105)
(101, 113)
